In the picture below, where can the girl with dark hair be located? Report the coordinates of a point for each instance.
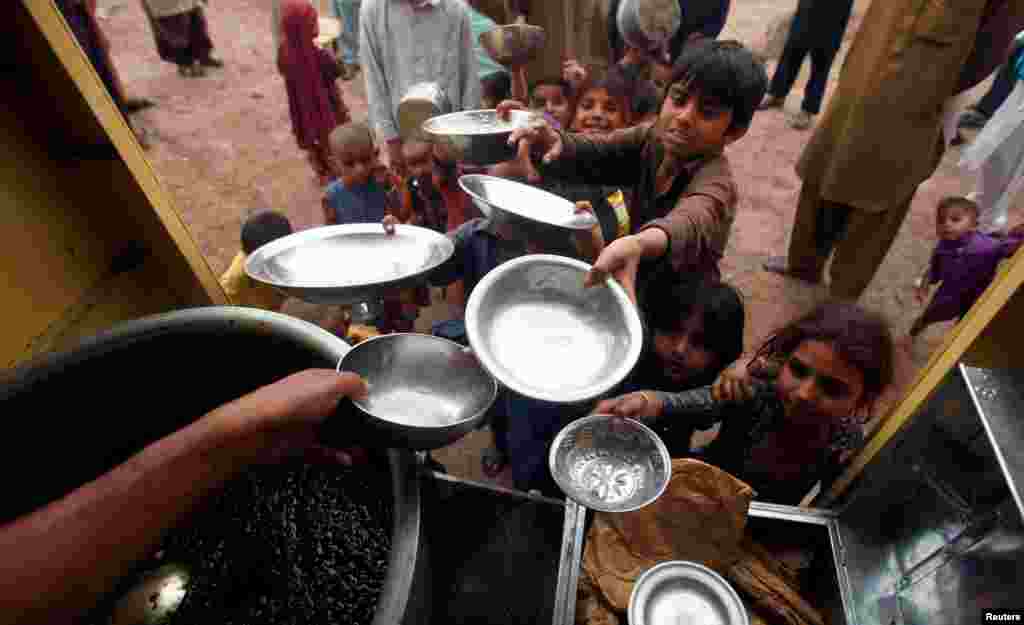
(798, 430)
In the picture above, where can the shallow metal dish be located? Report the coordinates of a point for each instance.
(539, 332)
(521, 205)
(477, 137)
(425, 391)
(420, 103)
(685, 592)
(512, 45)
(609, 463)
(350, 263)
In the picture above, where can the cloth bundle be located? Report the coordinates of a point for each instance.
(701, 517)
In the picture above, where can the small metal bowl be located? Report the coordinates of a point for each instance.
(648, 24)
(539, 332)
(477, 137)
(425, 391)
(521, 205)
(350, 263)
(513, 45)
(609, 463)
(685, 592)
(420, 103)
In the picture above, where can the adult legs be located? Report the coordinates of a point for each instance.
(348, 13)
(821, 64)
(812, 238)
(200, 44)
(998, 92)
(865, 241)
(788, 68)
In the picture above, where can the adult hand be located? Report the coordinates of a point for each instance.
(620, 260)
(395, 159)
(285, 414)
(733, 385)
(574, 73)
(640, 405)
(538, 137)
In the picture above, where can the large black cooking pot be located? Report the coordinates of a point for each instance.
(70, 417)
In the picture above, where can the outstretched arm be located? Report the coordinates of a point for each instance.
(59, 560)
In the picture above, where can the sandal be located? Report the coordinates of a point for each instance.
(211, 61)
(493, 462)
(134, 105)
(777, 264)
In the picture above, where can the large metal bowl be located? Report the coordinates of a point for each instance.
(648, 24)
(609, 463)
(425, 391)
(522, 206)
(539, 332)
(350, 263)
(513, 45)
(477, 137)
(685, 592)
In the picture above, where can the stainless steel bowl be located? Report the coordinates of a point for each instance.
(610, 464)
(477, 137)
(513, 45)
(540, 333)
(648, 24)
(425, 391)
(685, 592)
(521, 205)
(421, 102)
(350, 263)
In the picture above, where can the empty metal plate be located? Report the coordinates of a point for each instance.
(349, 263)
(610, 464)
(507, 200)
(539, 332)
(685, 592)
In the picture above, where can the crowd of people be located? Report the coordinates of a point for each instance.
(642, 144)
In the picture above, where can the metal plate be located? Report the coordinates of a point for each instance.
(348, 263)
(538, 331)
(684, 592)
(494, 195)
(610, 464)
(477, 137)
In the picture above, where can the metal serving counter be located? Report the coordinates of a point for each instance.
(932, 531)
(500, 556)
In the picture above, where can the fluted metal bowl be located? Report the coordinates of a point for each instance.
(477, 137)
(539, 332)
(648, 24)
(512, 45)
(425, 391)
(521, 205)
(609, 463)
(350, 263)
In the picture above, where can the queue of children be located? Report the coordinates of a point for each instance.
(641, 145)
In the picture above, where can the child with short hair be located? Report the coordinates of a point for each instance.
(258, 229)
(361, 192)
(555, 97)
(964, 262)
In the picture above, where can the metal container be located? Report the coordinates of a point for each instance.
(92, 408)
(678, 591)
(499, 556)
(425, 391)
(648, 24)
(477, 137)
(513, 45)
(537, 330)
(610, 464)
(348, 264)
(523, 207)
(421, 102)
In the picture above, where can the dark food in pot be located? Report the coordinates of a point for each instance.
(295, 543)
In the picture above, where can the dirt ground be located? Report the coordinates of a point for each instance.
(222, 145)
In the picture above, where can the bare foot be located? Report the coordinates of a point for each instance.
(777, 264)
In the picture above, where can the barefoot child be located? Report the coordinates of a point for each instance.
(964, 262)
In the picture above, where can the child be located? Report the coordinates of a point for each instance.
(310, 75)
(554, 97)
(360, 193)
(964, 262)
(259, 228)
